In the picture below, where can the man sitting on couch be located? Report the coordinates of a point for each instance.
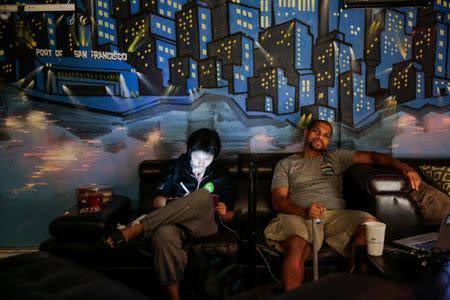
(185, 208)
(307, 186)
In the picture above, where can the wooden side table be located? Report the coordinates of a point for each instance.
(427, 279)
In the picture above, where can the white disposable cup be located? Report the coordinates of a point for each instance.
(375, 237)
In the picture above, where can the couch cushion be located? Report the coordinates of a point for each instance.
(437, 176)
(433, 204)
(40, 275)
(218, 244)
(95, 254)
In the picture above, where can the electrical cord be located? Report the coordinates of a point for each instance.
(234, 232)
(259, 251)
(268, 267)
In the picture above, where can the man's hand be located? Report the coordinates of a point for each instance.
(220, 209)
(314, 211)
(413, 177)
(159, 201)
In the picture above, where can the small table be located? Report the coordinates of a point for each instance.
(426, 279)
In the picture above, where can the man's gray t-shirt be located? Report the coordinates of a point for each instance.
(307, 184)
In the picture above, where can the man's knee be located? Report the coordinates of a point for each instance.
(368, 219)
(297, 245)
(359, 235)
(361, 227)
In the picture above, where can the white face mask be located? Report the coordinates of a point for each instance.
(200, 160)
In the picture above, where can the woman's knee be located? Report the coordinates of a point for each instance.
(201, 200)
(165, 236)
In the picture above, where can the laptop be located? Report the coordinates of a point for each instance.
(431, 240)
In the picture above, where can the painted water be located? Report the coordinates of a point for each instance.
(47, 150)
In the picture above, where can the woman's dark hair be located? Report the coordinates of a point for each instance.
(206, 140)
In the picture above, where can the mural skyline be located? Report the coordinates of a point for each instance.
(130, 55)
(86, 96)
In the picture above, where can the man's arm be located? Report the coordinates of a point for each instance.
(368, 157)
(282, 204)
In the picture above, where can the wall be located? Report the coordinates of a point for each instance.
(88, 95)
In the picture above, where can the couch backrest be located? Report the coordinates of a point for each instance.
(380, 191)
(253, 173)
(263, 167)
(149, 172)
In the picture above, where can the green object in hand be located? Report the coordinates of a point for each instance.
(209, 186)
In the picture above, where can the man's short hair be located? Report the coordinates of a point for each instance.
(206, 140)
(314, 122)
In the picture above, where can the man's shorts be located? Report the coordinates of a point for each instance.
(336, 228)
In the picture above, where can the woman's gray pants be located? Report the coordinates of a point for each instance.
(167, 227)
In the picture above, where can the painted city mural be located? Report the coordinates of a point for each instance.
(86, 95)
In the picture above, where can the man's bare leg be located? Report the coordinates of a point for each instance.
(359, 239)
(173, 291)
(296, 250)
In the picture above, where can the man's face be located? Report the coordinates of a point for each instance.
(318, 138)
(200, 160)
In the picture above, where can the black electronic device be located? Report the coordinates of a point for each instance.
(430, 240)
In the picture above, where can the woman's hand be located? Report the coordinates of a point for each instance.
(220, 209)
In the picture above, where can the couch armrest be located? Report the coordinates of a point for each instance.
(76, 225)
(384, 193)
(394, 206)
(387, 183)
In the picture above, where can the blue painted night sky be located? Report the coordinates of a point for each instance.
(150, 36)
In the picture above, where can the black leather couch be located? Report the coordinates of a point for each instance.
(78, 237)
(41, 275)
(222, 265)
(380, 191)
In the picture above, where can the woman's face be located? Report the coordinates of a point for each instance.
(200, 160)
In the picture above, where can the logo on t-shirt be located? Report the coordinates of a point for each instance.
(326, 166)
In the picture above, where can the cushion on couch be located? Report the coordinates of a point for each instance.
(437, 176)
(433, 203)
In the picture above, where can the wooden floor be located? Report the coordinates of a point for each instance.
(16, 251)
